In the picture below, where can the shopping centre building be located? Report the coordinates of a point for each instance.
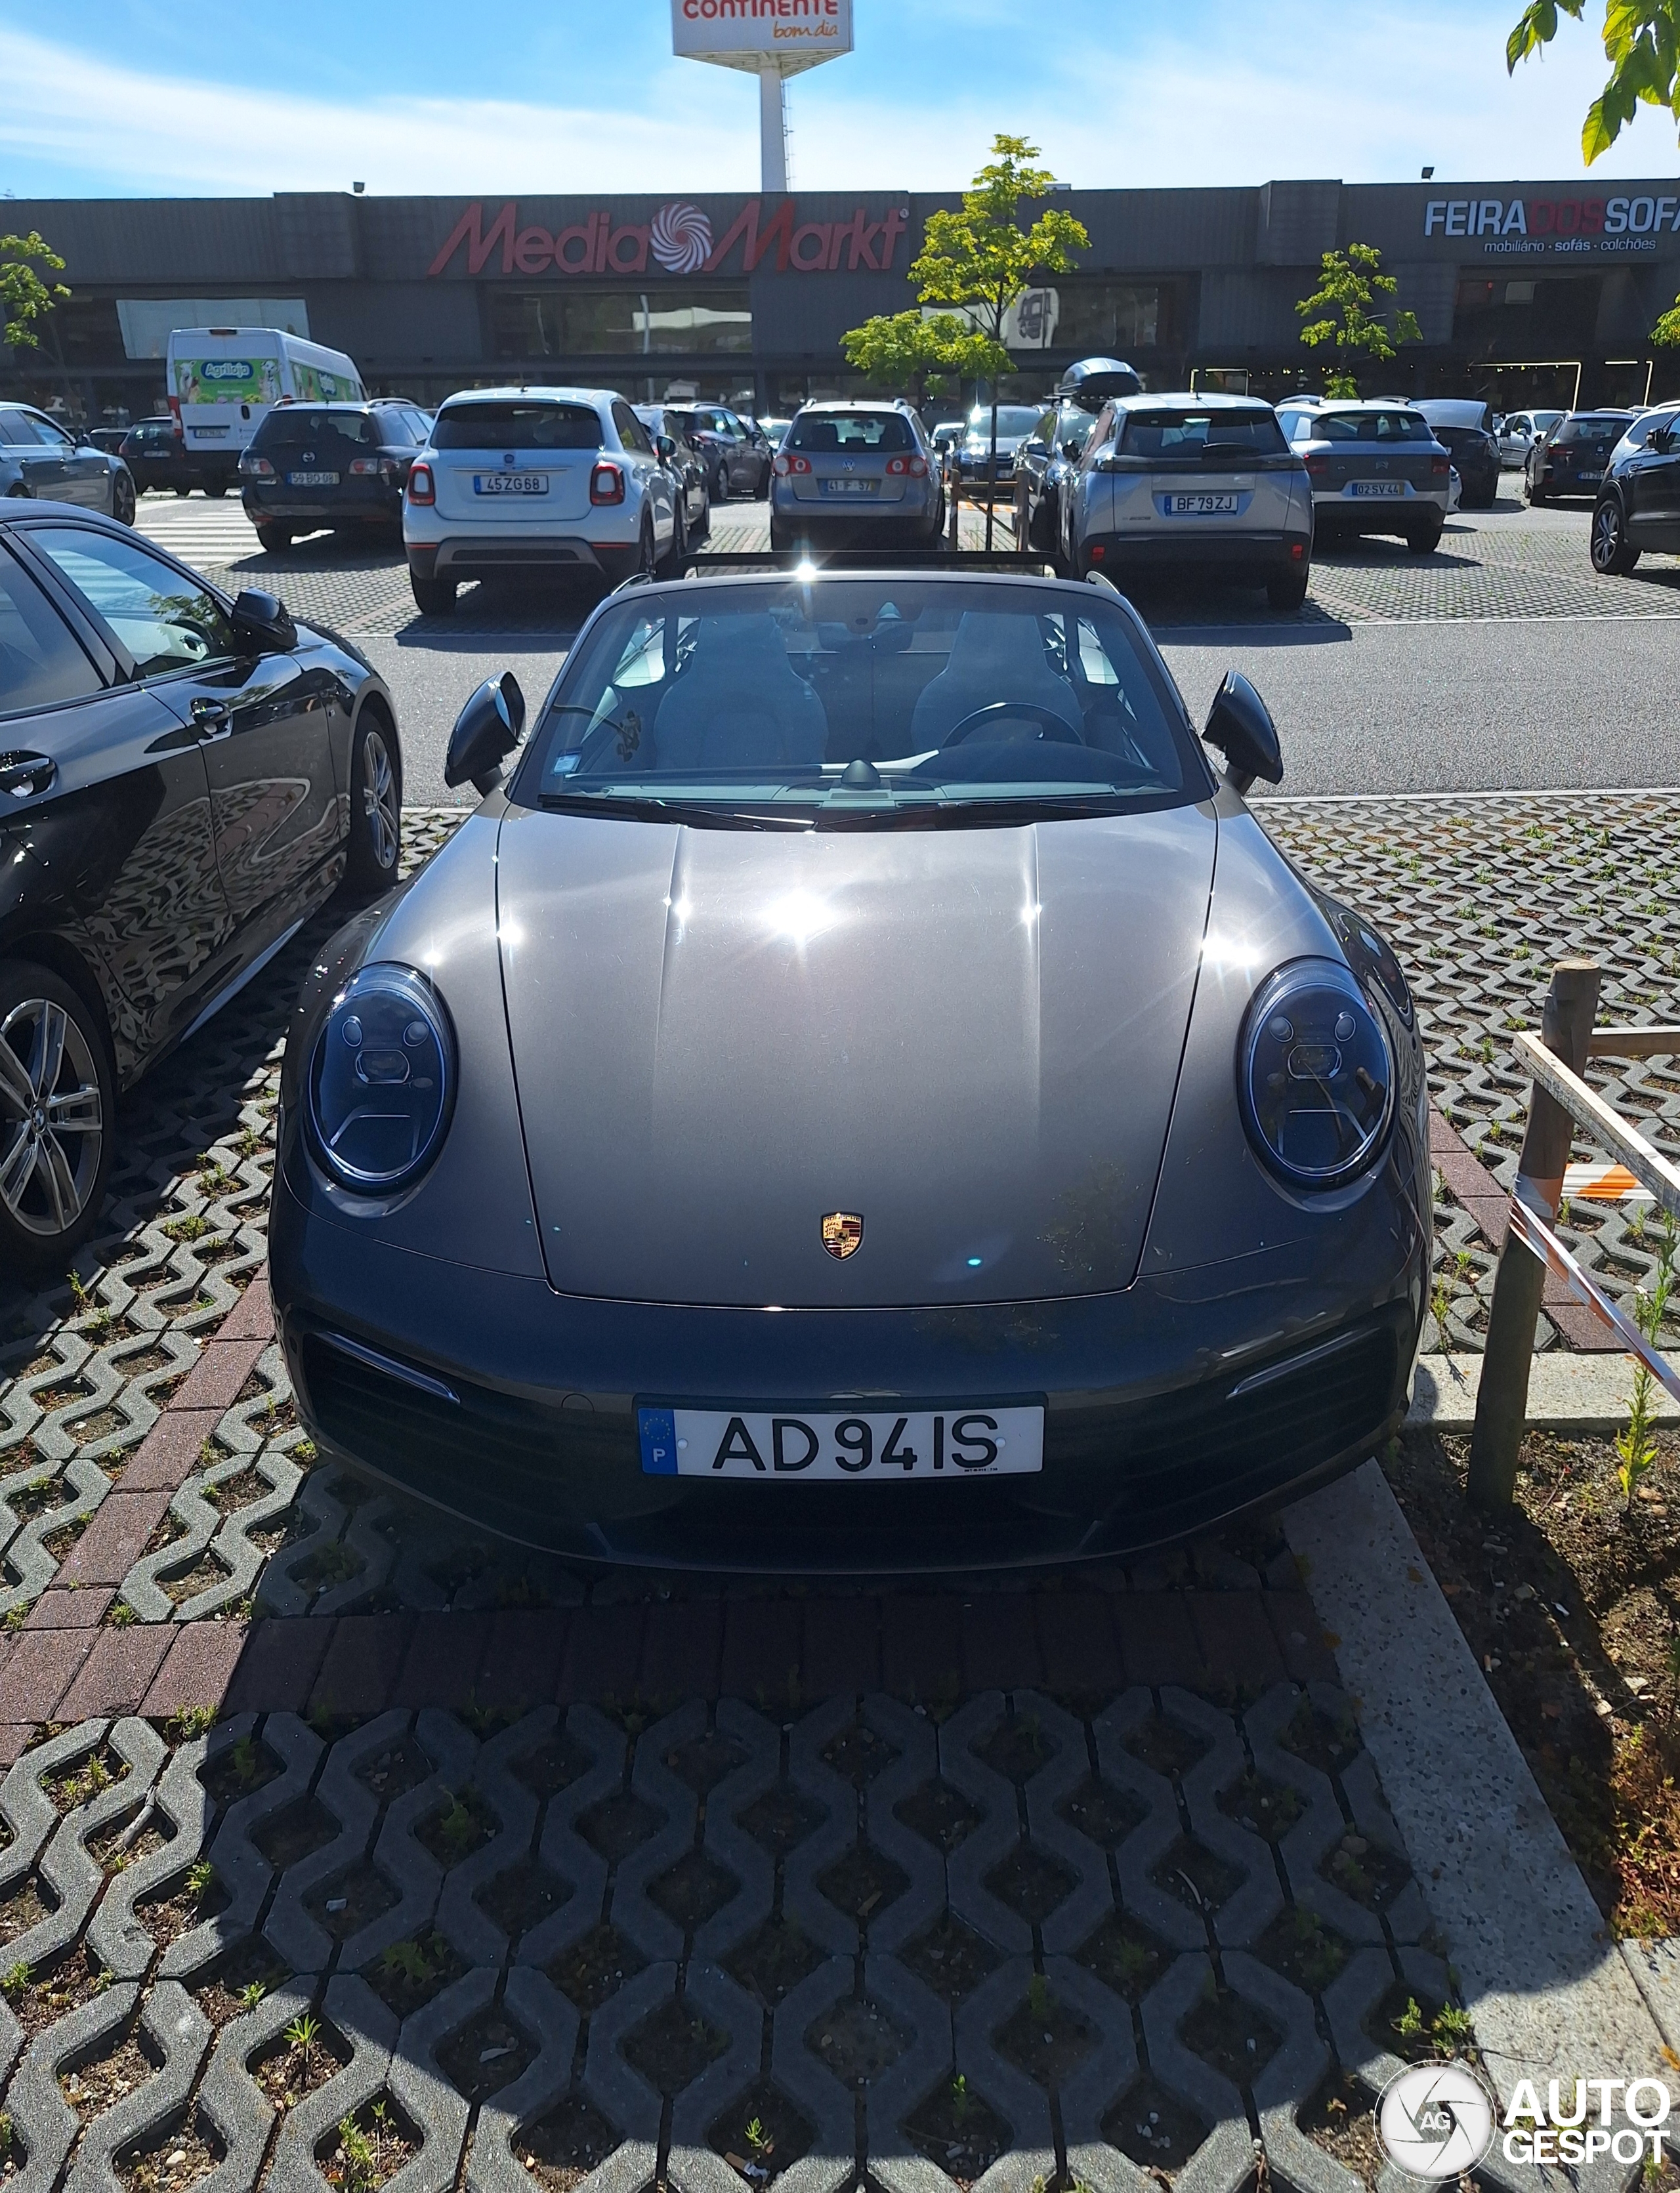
(1524, 292)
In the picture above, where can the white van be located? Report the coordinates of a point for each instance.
(223, 382)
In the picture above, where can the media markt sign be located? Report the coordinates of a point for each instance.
(786, 35)
(680, 238)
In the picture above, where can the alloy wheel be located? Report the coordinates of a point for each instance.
(1605, 536)
(379, 799)
(52, 1118)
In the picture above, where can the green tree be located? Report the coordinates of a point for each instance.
(978, 263)
(909, 351)
(1667, 329)
(1350, 282)
(25, 298)
(1642, 43)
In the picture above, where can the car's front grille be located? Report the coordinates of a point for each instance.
(1114, 1477)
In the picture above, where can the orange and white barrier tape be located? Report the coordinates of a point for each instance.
(1604, 1183)
(1533, 1229)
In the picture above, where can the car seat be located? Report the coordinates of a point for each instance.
(994, 656)
(739, 703)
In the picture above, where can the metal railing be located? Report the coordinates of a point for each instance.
(1560, 1101)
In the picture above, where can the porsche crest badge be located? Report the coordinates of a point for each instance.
(842, 1232)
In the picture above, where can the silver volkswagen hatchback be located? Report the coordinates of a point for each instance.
(846, 470)
(1205, 483)
(1374, 468)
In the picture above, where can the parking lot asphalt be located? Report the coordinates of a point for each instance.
(1499, 663)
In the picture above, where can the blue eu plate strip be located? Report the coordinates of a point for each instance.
(658, 1430)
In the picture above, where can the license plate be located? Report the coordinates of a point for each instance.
(311, 480)
(825, 1445)
(1201, 506)
(510, 483)
(1378, 487)
(851, 487)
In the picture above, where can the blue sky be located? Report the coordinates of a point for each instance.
(135, 98)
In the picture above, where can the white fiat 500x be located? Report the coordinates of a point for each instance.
(521, 480)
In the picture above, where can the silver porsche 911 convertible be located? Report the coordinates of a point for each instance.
(863, 1093)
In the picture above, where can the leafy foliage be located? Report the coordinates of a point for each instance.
(1642, 43)
(25, 298)
(1350, 284)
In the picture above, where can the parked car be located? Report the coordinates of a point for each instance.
(556, 480)
(738, 452)
(689, 471)
(1043, 463)
(108, 438)
(856, 471)
(343, 465)
(186, 778)
(772, 430)
(1520, 430)
(1465, 429)
(39, 457)
(1375, 467)
(1638, 504)
(1571, 460)
(1181, 481)
(1078, 1144)
(158, 458)
(972, 463)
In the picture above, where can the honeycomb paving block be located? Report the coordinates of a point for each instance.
(562, 1850)
(615, 2087)
(728, 1841)
(460, 1918)
(835, 1803)
(727, 2006)
(801, 2075)
(68, 1867)
(282, 1590)
(891, 2095)
(182, 2034)
(1086, 2094)
(241, 1868)
(539, 2008)
(1406, 1914)
(370, 1546)
(914, 1738)
(405, 1862)
(235, 2105)
(1142, 1851)
(142, 1586)
(1293, 2074)
(297, 1937)
(1225, 2159)
(1021, 2101)
(1092, 1897)
(1252, 1907)
(1350, 2000)
(28, 1810)
(356, 2011)
(42, 2122)
(423, 2094)
(232, 1543)
(979, 1854)
(1309, 1839)
(116, 1935)
(653, 1933)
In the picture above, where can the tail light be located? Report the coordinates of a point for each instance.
(607, 483)
(373, 467)
(259, 467)
(916, 467)
(1439, 466)
(1318, 468)
(784, 465)
(422, 488)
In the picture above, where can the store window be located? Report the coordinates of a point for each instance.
(1528, 316)
(567, 322)
(1116, 316)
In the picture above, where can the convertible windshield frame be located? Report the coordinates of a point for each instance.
(822, 706)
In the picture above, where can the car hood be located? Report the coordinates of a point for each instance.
(970, 1039)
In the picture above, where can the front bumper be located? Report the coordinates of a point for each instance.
(1262, 555)
(1170, 1407)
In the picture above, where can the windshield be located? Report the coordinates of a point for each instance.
(1012, 419)
(1456, 414)
(1187, 434)
(1371, 426)
(862, 704)
(850, 433)
(514, 426)
(1596, 429)
(294, 426)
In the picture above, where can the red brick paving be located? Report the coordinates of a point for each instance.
(445, 1652)
(363, 1660)
(215, 1380)
(116, 1538)
(39, 1668)
(199, 1669)
(761, 1651)
(168, 1454)
(1237, 1640)
(522, 1667)
(70, 1610)
(277, 1668)
(1077, 1638)
(603, 1654)
(999, 1644)
(118, 1672)
(921, 1648)
(682, 1641)
(842, 1647)
(1157, 1645)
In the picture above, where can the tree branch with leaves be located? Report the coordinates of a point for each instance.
(25, 298)
(977, 263)
(1642, 43)
(1350, 284)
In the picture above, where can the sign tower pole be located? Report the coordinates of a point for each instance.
(771, 40)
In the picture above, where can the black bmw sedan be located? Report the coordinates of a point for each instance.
(343, 465)
(183, 780)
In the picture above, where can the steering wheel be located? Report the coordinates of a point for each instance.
(1051, 725)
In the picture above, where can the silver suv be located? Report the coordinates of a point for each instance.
(850, 468)
(1200, 482)
(1374, 468)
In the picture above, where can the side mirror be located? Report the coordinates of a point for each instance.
(667, 448)
(1238, 723)
(263, 623)
(486, 731)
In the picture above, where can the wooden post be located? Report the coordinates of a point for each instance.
(1502, 1399)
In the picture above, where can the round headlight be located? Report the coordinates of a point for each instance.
(1314, 1076)
(382, 1080)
